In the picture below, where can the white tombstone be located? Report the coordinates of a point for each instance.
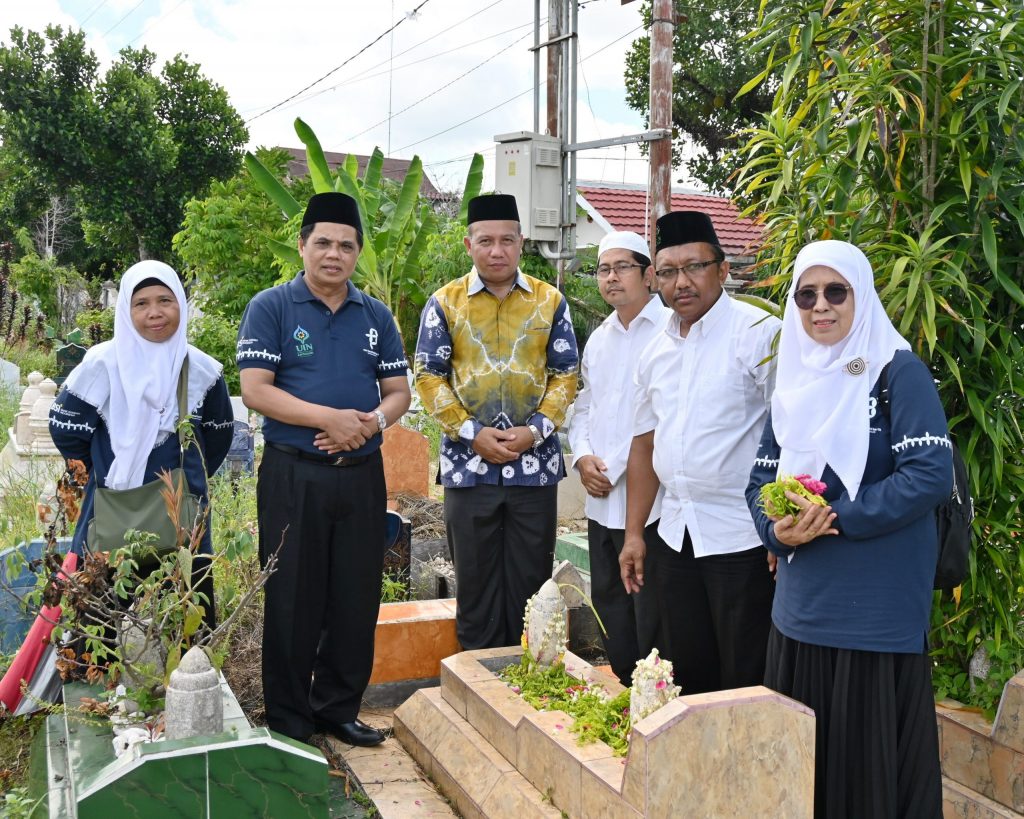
(28, 398)
(239, 408)
(194, 706)
(39, 421)
(546, 623)
(108, 294)
(10, 375)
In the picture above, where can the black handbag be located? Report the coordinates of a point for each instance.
(143, 508)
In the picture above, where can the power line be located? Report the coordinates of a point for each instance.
(154, 24)
(338, 68)
(129, 14)
(512, 98)
(367, 76)
(91, 13)
(440, 89)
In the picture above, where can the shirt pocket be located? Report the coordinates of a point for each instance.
(722, 398)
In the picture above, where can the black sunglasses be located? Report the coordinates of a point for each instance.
(835, 294)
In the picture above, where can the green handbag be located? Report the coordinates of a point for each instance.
(116, 511)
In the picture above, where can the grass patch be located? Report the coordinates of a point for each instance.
(16, 734)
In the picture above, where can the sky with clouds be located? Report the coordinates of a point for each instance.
(452, 76)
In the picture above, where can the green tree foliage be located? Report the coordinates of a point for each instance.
(130, 147)
(711, 63)
(223, 240)
(897, 126)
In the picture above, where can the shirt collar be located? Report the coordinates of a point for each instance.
(706, 324)
(476, 284)
(300, 290)
(651, 312)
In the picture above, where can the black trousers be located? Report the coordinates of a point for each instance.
(716, 613)
(877, 744)
(321, 604)
(502, 540)
(631, 620)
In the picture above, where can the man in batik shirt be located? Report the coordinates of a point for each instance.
(496, 365)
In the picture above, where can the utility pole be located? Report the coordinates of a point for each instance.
(662, 35)
(554, 55)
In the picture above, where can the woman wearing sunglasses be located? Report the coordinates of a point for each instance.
(854, 582)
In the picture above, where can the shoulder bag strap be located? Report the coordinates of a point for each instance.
(183, 402)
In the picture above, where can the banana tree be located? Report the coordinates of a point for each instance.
(395, 224)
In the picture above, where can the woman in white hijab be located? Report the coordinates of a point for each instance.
(117, 412)
(853, 597)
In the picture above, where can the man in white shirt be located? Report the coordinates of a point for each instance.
(599, 436)
(704, 386)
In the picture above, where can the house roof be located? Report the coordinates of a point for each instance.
(625, 208)
(395, 169)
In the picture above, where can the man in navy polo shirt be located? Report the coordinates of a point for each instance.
(324, 364)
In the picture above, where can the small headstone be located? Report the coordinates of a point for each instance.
(546, 625)
(28, 398)
(193, 706)
(143, 657)
(406, 455)
(10, 375)
(570, 583)
(108, 294)
(68, 356)
(40, 441)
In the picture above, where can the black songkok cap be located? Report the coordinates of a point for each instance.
(339, 208)
(684, 226)
(492, 206)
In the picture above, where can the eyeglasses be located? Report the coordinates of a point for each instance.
(620, 268)
(835, 294)
(691, 270)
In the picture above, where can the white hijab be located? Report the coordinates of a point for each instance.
(820, 405)
(133, 382)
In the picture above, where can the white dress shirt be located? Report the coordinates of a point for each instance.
(706, 396)
(601, 420)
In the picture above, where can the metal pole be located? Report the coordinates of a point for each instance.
(662, 30)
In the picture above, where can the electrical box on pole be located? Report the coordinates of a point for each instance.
(529, 166)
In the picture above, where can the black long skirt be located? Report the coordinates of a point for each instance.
(877, 746)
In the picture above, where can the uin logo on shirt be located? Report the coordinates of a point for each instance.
(303, 348)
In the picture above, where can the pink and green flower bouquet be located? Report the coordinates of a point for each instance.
(777, 505)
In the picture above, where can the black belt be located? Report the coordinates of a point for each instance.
(323, 460)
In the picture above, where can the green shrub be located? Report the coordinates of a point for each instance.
(217, 336)
(96, 325)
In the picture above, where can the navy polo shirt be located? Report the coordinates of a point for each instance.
(331, 359)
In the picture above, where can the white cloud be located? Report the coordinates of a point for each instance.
(262, 52)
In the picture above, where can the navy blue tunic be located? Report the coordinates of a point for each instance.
(333, 359)
(870, 586)
(80, 432)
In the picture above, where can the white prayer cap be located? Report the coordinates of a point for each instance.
(625, 240)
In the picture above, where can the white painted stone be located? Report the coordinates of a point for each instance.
(546, 619)
(193, 705)
(240, 409)
(28, 398)
(570, 583)
(39, 421)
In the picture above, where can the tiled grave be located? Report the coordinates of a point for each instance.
(243, 771)
(983, 762)
(716, 754)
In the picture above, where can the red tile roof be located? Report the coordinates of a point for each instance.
(626, 209)
(395, 169)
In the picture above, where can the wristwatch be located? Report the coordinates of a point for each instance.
(382, 420)
(538, 439)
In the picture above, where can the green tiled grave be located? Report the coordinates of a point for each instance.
(573, 547)
(243, 771)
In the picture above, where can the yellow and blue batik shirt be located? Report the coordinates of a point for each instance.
(488, 362)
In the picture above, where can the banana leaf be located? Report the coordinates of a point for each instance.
(474, 180)
(371, 181)
(285, 252)
(319, 172)
(346, 184)
(428, 224)
(405, 205)
(269, 184)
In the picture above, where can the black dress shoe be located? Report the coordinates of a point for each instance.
(354, 733)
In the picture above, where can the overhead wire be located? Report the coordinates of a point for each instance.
(339, 67)
(126, 16)
(438, 90)
(155, 23)
(514, 97)
(91, 13)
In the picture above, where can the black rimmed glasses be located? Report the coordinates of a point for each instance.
(835, 294)
(695, 269)
(603, 271)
